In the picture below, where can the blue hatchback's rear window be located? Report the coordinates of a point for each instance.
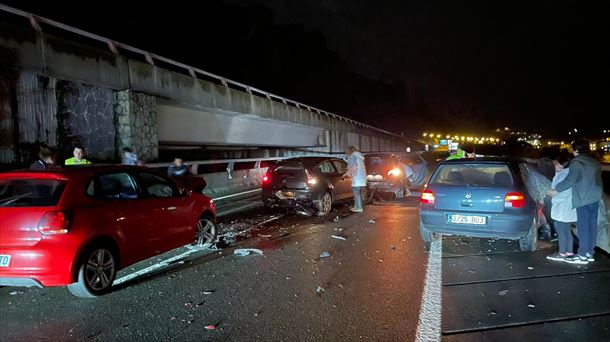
(30, 192)
(487, 175)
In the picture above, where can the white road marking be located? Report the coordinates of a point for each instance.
(429, 325)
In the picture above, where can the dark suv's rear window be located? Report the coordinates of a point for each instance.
(487, 175)
(30, 192)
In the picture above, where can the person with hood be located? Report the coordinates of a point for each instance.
(585, 179)
(357, 172)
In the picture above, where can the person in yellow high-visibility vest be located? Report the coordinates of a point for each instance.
(456, 154)
(79, 157)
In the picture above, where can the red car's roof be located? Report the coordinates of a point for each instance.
(68, 171)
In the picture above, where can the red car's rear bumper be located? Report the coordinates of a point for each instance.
(48, 263)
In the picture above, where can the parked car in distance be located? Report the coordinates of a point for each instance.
(485, 197)
(385, 174)
(79, 226)
(306, 185)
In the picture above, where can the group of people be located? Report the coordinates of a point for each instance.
(47, 159)
(576, 191)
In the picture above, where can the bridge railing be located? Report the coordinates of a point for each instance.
(115, 47)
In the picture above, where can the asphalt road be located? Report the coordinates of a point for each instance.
(370, 288)
(494, 292)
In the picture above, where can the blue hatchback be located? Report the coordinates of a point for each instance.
(486, 197)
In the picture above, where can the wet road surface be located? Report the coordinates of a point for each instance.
(494, 292)
(368, 289)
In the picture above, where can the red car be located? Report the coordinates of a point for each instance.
(79, 226)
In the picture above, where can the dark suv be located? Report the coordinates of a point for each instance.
(306, 185)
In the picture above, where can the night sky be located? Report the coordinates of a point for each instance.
(407, 66)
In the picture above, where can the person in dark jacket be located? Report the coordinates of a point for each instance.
(178, 169)
(46, 159)
(585, 179)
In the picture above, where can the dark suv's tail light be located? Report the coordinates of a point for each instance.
(310, 179)
(55, 222)
(267, 178)
(514, 200)
(427, 197)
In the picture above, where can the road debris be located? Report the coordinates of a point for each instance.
(208, 292)
(210, 327)
(319, 290)
(372, 221)
(338, 237)
(380, 260)
(324, 255)
(336, 219)
(247, 251)
(15, 293)
(531, 305)
(530, 268)
(393, 247)
(503, 292)
(265, 235)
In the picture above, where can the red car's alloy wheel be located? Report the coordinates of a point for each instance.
(100, 270)
(205, 235)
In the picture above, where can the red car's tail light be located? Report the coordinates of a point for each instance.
(427, 197)
(266, 179)
(514, 200)
(54, 222)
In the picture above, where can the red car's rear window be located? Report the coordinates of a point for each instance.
(30, 192)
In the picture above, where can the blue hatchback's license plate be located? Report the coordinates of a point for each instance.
(467, 219)
(5, 260)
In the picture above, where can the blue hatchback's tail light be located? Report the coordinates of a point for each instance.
(427, 197)
(514, 200)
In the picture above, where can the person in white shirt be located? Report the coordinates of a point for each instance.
(561, 211)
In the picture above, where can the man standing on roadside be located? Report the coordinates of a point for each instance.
(46, 159)
(357, 172)
(585, 179)
(79, 157)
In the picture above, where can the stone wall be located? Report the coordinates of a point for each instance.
(136, 122)
(86, 114)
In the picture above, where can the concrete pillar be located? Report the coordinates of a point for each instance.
(136, 123)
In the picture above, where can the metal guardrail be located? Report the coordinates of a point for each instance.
(150, 58)
(233, 184)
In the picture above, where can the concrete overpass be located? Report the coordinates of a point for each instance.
(61, 85)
